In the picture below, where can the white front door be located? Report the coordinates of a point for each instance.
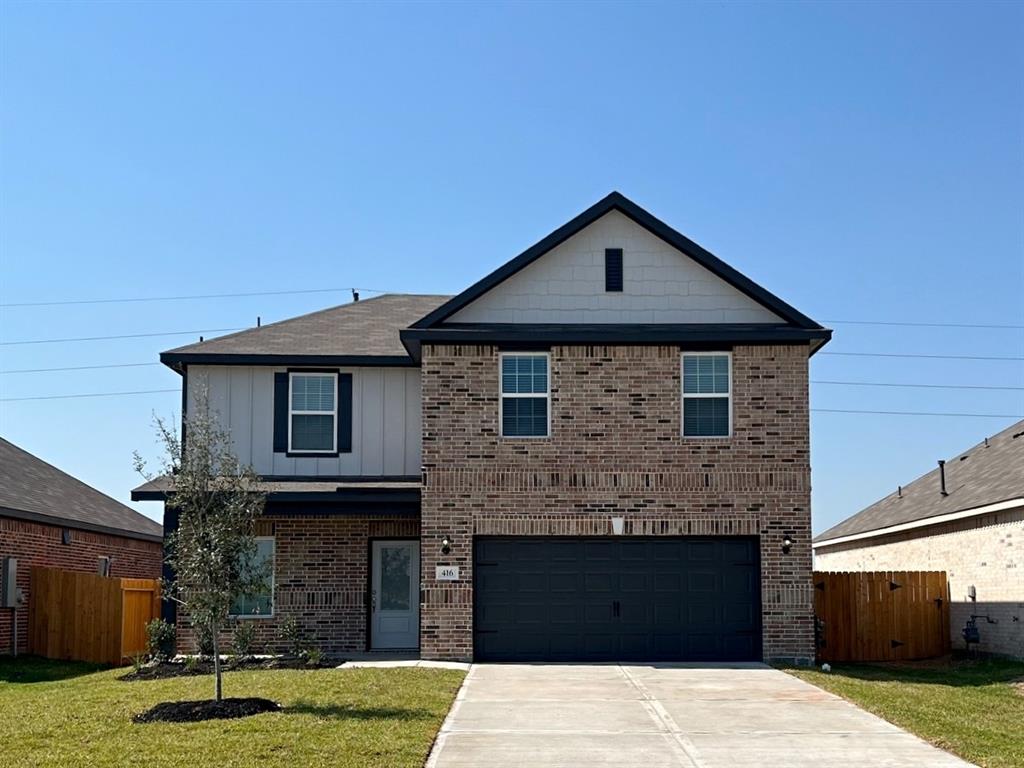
(395, 595)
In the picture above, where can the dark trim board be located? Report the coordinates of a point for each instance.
(689, 336)
(176, 360)
(618, 202)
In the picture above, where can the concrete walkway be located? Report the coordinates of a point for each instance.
(654, 716)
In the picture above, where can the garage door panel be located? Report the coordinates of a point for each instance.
(616, 598)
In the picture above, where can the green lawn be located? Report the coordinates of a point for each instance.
(970, 708)
(57, 714)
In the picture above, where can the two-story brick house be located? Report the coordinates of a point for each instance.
(598, 451)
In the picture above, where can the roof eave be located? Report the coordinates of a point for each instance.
(78, 525)
(823, 540)
(176, 360)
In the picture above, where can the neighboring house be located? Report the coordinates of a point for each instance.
(598, 451)
(965, 517)
(49, 518)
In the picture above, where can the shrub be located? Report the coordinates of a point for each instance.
(314, 656)
(159, 639)
(204, 639)
(294, 637)
(243, 638)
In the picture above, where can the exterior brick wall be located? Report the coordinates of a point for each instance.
(321, 573)
(38, 544)
(616, 451)
(986, 552)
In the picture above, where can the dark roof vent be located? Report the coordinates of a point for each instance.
(1017, 435)
(355, 295)
(899, 491)
(942, 477)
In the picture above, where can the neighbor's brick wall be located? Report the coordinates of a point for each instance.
(616, 450)
(986, 551)
(40, 545)
(321, 567)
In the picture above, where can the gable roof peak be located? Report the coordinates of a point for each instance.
(616, 201)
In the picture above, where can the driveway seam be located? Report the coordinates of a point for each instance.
(664, 719)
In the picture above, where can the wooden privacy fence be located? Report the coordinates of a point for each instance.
(881, 615)
(87, 617)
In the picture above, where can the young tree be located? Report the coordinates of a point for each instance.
(213, 551)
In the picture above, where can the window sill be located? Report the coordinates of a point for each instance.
(251, 616)
(314, 454)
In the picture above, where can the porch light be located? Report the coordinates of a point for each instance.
(787, 543)
(446, 545)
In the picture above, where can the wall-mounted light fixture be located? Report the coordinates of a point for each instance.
(787, 544)
(446, 545)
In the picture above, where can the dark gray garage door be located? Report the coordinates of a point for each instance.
(617, 599)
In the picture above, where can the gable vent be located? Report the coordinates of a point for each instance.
(613, 269)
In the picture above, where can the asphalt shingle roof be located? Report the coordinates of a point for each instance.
(361, 328)
(984, 474)
(31, 488)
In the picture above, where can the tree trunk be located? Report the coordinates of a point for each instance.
(216, 663)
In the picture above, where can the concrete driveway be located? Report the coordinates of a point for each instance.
(654, 716)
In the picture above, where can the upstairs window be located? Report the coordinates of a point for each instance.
(313, 413)
(525, 392)
(259, 605)
(707, 391)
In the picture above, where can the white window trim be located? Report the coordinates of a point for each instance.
(334, 414)
(273, 570)
(502, 395)
(684, 396)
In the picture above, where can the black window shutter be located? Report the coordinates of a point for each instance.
(344, 413)
(613, 269)
(280, 413)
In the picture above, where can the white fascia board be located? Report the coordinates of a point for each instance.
(999, 506)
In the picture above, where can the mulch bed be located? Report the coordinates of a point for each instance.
(207, 709)
(168, 669)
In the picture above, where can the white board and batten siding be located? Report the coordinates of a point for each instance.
(660, 285)
(385, 420)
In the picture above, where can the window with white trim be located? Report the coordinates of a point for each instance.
(313, 413)
(707, 394)
(259, 605)
(525, 394)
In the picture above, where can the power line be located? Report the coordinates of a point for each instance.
(135, 299)
(124, 336)
(915, 386)
(929, 357)
(78, 368)
(919, 413)
(994, 326)
(88, 394)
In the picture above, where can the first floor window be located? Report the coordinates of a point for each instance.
(313, 413)
(707, 390)
(260, 604)
(525, 394)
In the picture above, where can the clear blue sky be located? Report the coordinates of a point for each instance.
(865, 162)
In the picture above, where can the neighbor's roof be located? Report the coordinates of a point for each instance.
(359, 332)
(31, 489)
(982, 475)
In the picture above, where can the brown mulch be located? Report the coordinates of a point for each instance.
(167, 669)
(207, 709)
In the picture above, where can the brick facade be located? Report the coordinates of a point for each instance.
(986, 552)
(38, 544)
(616, 451)
(321, 573)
